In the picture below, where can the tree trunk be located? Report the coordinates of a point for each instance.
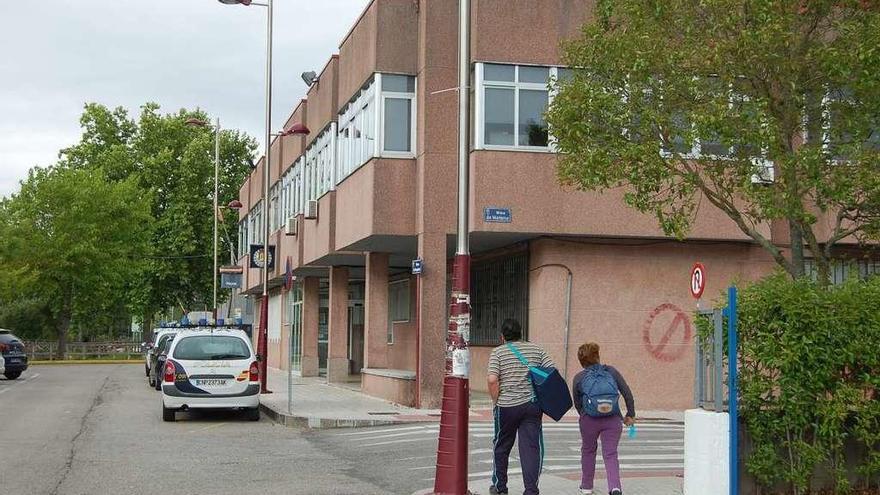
(146, 327)
(797, 249)
(62, 326)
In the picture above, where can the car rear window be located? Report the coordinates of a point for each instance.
(211, 348)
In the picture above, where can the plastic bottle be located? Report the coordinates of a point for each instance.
(632, 431)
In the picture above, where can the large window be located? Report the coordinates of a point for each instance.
(243, 237)
(356, 140)
(320, 162)
(511, 103)
(499, 290)
(274, 208)
(842, 270)
(378, 121)
(255, 220)
(398, 114)
(399, 308)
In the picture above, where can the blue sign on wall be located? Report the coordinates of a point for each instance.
(417, 267)
(496, 215)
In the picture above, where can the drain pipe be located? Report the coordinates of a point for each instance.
(567, 311)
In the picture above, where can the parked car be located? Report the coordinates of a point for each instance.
(12, 349)
(2, 364)
(150, 347)
(159, 358)
(211, 369)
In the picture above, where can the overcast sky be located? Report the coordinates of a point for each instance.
(59, 54)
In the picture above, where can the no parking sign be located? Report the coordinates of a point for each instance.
(698, 280)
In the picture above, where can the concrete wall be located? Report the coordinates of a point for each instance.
(527, 184)
(524, 31)
(318, 235)
(323, 98)
(377, 199)
(633, 301)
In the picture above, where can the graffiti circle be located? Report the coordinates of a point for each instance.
(667, 333)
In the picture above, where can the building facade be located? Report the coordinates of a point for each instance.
(373, 187)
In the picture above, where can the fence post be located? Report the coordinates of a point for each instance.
(718, 365)
(732, 388)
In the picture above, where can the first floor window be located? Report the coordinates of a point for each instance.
(512, 101)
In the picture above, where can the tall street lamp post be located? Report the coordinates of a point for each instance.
(262, 347)
(451, 475)
(202, 123)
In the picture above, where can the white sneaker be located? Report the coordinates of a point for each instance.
(584, 491)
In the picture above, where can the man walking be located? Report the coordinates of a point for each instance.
(516, 411)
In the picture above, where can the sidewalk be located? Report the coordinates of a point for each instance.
(554, 485)
(319, 405)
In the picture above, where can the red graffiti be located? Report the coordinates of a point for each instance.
(667, 342)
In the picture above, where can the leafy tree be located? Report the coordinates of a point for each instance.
(173, 165)
(71, 245)
(768, 110)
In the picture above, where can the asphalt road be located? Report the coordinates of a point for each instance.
(97, 429)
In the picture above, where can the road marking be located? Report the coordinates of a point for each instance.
(206, 428)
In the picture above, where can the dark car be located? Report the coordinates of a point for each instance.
(12, 349)
(157, 359)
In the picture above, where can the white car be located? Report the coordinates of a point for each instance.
(211, 369)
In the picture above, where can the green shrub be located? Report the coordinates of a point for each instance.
(810, 379)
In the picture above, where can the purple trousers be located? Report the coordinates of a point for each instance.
(609, 430)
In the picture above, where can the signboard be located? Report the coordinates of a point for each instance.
(496, 215)
(230, 280)
(257, 256)
(417, 266)
(698, 280)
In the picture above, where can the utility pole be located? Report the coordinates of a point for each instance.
(451, 477)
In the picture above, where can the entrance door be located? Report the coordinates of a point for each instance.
(323, 333)
(296, 332)
(355, 337)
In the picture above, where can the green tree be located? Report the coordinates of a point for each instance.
(72, 245)
(767, 109)
(173, 165)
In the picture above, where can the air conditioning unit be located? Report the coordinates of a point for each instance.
(290, 226)
(765, 174)
(312, 209)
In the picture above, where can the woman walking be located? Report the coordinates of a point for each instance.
(596, 391)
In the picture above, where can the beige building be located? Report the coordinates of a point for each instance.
(373, 187)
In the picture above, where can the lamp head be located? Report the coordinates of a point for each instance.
(310, 77)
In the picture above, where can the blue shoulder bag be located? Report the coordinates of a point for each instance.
(551, 391)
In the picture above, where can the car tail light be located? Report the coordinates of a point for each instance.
(255, 372)
(169, 372)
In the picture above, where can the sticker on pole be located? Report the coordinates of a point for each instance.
(461, 363)
(698, 280)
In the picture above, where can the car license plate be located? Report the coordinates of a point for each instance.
(210, 382)
(13, 360)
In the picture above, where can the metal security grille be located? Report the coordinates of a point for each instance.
(499, 290)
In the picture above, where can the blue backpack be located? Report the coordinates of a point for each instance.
(600, 393)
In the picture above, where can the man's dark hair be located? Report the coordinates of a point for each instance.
(511, 330)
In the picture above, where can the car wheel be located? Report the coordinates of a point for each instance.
(253, 414)
(152, 382)
(158, 384)
(168, 414)
(146, 370)
(12, 375)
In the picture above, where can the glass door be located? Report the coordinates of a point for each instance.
(295, 318)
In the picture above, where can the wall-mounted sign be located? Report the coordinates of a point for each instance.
(496, 215)
(417, 266)
(258, 256)
(230, 280)
(698, 280)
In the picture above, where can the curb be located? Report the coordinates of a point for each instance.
(317, 423)
(85, 361)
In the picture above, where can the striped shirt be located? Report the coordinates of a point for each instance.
(513, 376)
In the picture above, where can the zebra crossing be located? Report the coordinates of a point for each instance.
(657, 449)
